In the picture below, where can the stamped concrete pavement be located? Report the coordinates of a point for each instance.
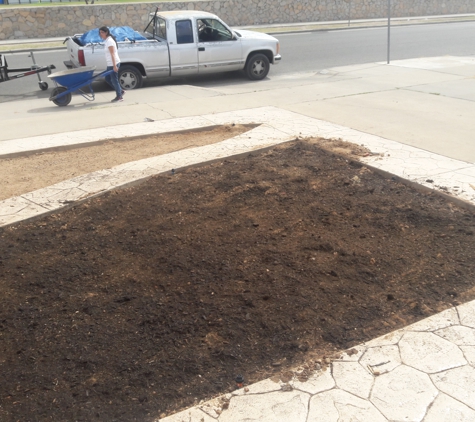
(424, 372)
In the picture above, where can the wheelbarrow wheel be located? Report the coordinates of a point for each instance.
(43, 86)
(62, 101)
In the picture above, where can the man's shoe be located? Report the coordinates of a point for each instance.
(117, 99)
(123, 92)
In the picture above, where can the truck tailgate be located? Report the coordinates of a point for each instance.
(73, 53)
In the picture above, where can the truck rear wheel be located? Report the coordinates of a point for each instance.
(129, 77)
(257, 67)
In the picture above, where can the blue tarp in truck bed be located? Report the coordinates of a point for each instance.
(121, 33)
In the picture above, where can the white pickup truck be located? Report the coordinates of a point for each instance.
(182, 43)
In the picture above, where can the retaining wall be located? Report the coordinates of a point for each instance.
(64, 20)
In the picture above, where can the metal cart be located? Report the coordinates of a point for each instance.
(5, 72)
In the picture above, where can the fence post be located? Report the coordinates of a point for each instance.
(389, 29)
(349, 12)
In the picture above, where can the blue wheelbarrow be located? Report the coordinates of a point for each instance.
(74, 80)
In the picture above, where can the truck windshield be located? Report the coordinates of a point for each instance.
(211, 30)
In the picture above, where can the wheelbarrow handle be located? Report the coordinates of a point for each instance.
(103, 74)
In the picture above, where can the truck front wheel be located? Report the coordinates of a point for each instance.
(257, 67)
(129, 77)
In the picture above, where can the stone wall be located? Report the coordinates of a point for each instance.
(64, 20)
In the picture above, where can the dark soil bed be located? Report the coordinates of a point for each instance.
(146, 300)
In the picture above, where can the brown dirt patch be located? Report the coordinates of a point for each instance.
(338, 146)
(145, 300)
(19, 175)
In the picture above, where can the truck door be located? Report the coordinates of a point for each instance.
(218, 49)
(183, 52)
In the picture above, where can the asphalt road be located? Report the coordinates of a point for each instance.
(327, 49)
(302, 53)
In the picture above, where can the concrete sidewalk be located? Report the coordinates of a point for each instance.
(416, 116)
(428, 103)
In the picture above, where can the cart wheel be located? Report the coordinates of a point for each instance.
(62, 101)
(43, 86)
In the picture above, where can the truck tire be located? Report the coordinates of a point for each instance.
(257, 67)
(129, 77)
